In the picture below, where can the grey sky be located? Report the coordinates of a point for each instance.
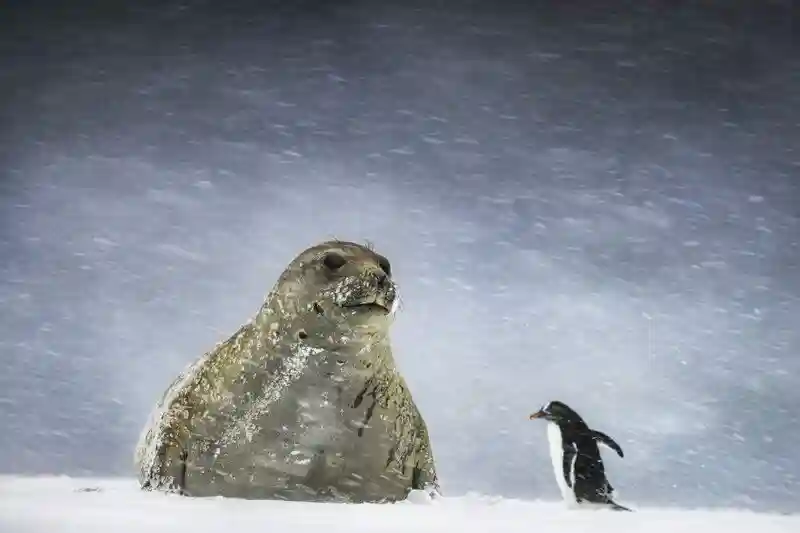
(593, 205)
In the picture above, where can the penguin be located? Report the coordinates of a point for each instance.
(576, 457)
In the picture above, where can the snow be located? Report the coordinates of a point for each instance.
(56, 504)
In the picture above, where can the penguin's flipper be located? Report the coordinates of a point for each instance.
(568, 464)
(604, 439)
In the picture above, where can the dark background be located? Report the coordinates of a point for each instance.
(589, 201)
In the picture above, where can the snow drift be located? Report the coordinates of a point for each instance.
(60, 504)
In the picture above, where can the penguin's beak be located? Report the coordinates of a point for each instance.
(537, 414)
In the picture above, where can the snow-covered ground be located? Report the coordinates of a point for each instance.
(54, 505)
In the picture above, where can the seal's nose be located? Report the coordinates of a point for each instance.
(382, 278)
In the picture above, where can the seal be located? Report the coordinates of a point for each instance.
(303, 403)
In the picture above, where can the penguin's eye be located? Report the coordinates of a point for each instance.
(334, 261)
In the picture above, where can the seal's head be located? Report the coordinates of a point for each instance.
(335, 287)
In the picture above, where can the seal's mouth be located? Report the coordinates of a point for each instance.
(369, 294)
(372, 307)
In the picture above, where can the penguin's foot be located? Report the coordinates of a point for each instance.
(617, 507)
(600, 504)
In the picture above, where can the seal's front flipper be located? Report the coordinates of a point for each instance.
(424, 479)
(423, 475)
(604, 439)
(181, 481)
(166, 471)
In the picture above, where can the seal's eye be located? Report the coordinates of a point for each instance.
(334, 261)
(385, 266)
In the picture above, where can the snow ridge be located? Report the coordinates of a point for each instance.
(61, 504)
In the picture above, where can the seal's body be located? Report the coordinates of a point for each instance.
(577, 463)
(303, 403)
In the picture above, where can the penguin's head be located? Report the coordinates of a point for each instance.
(557, 412)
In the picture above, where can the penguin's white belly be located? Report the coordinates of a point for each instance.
(557, 457)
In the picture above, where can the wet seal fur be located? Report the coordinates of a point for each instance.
(303, 403)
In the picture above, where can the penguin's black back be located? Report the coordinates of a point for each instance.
(591, 483)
